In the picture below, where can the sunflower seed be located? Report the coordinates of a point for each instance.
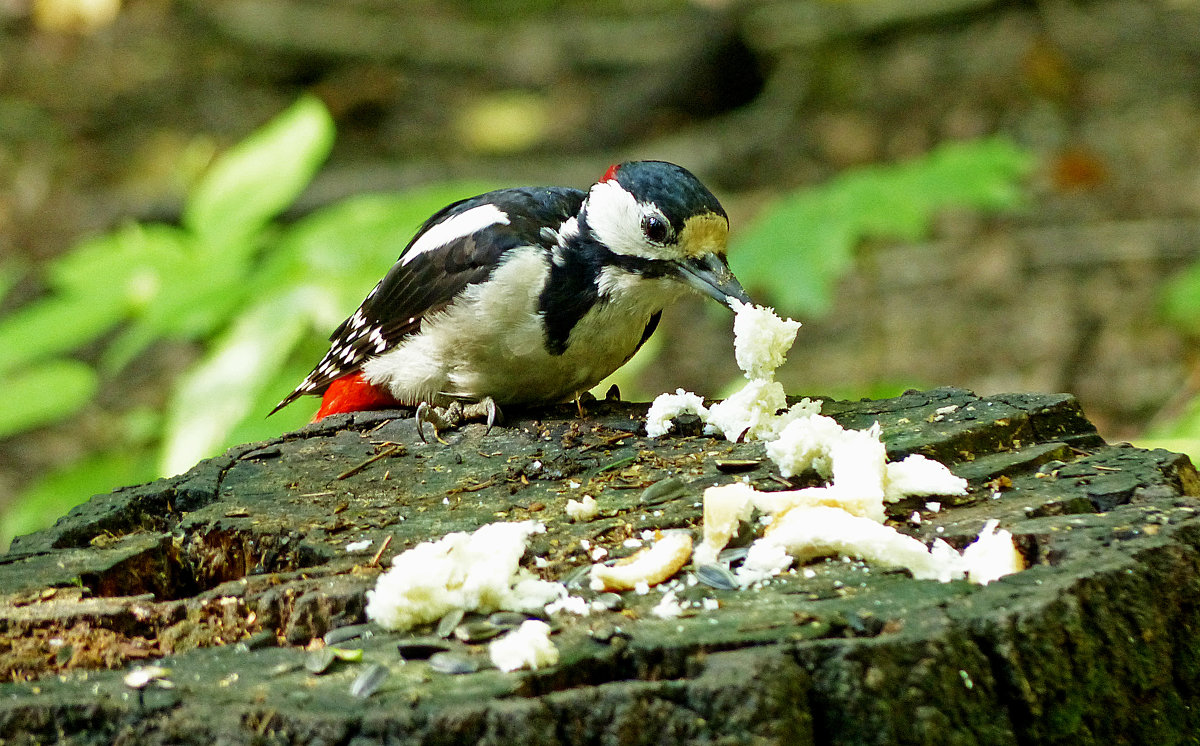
(736, 465)
(421, 648)
(716, 576)
(733, 554)
(448, 622)
(577, 577)
(687, 424)
(452, 663)
(607, 633)
(318, 661)
(507, 620)
(864, 624)
(369, 681)
(353, 655)
(140, 678)
(610, 601)
(663, 490)
(349, 632)
(283, 668)
(261, 639)
(476, 632)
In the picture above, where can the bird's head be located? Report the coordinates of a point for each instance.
(662, 222)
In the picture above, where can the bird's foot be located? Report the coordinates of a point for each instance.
(485, 411)
(584, 398)
(442, 418)
(447, 418)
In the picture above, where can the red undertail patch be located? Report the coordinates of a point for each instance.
(353, 394)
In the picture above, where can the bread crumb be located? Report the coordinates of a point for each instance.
(761, 339)
(761, 342)
(803, 534)
(725, 507)
(749, 413)
(992, 555)
(570, 604)
(667, 407)
(920, 476)
(649, 566)
(668, 607)
(579, 511)
(527, 646)
(843, 517)
(477, 571)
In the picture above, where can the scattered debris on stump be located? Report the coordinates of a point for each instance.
(231, 599)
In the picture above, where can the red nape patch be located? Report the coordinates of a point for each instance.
(353, 394)
(611, 173)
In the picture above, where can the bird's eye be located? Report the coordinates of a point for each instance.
(655, 228)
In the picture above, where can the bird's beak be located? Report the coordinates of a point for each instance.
(710, 274)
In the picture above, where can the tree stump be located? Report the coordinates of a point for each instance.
(225, 573)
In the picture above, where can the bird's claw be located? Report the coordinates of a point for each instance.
(454, 415)
(439, 418)
(485, 410)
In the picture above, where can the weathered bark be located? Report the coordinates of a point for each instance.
(224, 572)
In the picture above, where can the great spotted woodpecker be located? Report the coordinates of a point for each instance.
(527, 295)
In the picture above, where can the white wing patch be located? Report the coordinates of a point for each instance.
(454, 228)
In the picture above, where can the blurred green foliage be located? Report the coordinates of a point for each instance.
(805, 242)
(258, 296)
(1181, 306)
(1181, 300)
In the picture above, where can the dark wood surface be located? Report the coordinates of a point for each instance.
(225, 573)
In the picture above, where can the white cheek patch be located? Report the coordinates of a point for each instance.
(616, 218)
(452, 229)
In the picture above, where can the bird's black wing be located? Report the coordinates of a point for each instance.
(430, 279)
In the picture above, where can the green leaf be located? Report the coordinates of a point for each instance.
(52, 327)
(260, 176)
(359, 237)
(194, 299)
(805, 242)
(96, 286)
(166, 282)
(256, 425)
(55, 494)
(215, 395)
(128, 263)
(44, 394)
(1181, 299)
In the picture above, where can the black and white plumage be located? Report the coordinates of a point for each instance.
(532, 295)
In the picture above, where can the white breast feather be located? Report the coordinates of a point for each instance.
(491, 341)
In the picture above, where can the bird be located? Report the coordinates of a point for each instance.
(526, 295)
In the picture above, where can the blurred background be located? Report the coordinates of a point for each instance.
(997, 195)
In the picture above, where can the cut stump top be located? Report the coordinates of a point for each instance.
(224, 573)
